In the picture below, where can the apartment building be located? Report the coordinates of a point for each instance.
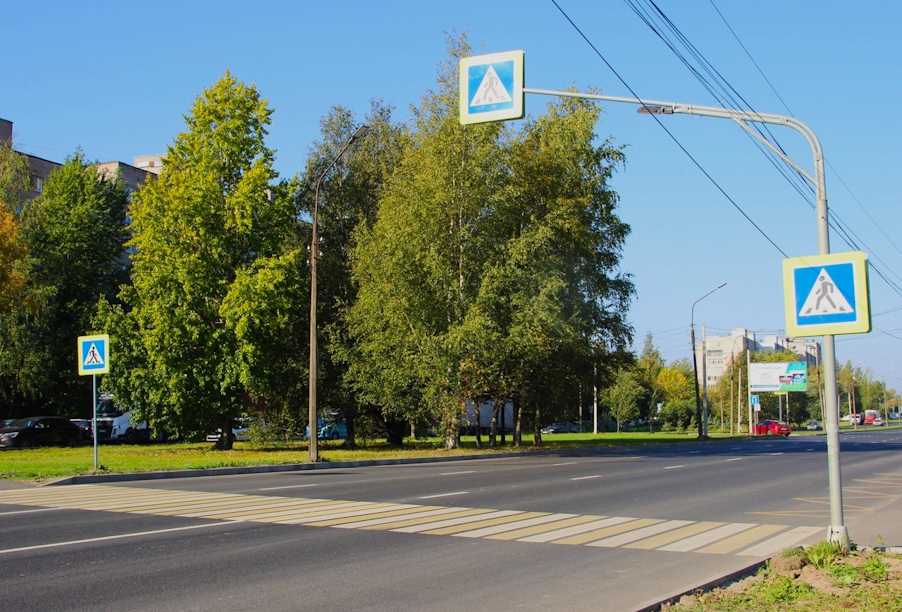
(716, 352)
(40, 168)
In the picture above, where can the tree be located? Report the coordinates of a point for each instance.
(211, 220)
(14, 178)
(75, 235)
(673, 384)
(622, 398)
(419, 266)
(348, 200)
(12, 261)
(648, 366)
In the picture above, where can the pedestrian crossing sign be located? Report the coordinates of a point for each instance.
(93, 355)
(491, 87)
(827, 295)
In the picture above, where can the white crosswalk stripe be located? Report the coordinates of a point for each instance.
(675, 535)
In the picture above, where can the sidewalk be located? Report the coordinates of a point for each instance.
(879, 529)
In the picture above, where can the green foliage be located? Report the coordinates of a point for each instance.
(824, 553)
(15, 178)
(622, 398)
(74, 233)
(205, 228)
(491, 268)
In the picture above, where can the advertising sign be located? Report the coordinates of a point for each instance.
(779, 376)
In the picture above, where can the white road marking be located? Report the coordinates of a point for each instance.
(456, 473)
(445, 495)
(673, 467)
(315, 484)
(586, 477)
(115, 537)
(29, 511)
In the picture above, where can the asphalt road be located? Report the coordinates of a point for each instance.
(608, 530)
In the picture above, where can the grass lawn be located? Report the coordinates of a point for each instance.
(43, 464)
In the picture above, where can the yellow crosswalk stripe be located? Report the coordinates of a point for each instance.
(598, 534)
(528, 532)
(672, 536)
(400, 511)
(422, 520)
(742, 540)
(485, 523)
(505, 525)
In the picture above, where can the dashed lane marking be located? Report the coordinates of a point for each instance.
(671, 535)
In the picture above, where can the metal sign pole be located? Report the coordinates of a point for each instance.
(94, 418)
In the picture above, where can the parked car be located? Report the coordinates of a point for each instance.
(332, 431)
(241, 432)
(40, 431)
(772, 428)
(814, 426)
(855, 419)
(87, 429)
(879, 422)
(561, 428)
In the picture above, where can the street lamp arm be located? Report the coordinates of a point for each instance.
(312, 407)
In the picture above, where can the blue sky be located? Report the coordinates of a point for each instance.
(116, 78)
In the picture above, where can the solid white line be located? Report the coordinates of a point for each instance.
(736, 459)
(114, 537)
(315, 484)
(586, 477)
(29, 511)
(456, 473)
(445, 495)
(568, 463)
(673, 467)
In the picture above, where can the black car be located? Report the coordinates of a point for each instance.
(40, 431)
(86, 427)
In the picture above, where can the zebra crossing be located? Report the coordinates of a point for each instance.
(704, 537)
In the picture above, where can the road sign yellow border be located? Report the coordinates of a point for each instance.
(516, 111)
(82, 341)
(862, 322)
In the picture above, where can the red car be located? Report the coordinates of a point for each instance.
(773, 428)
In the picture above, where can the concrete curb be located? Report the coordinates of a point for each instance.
(288, 467)
(707, 585)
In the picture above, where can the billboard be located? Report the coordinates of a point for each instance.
(779, 376)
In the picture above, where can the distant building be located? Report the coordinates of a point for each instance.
(149, 163)
(40, 168)
(718, 351)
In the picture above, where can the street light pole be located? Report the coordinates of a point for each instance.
(836, 531)
(314, 256)
(885, 409)
(698, 408)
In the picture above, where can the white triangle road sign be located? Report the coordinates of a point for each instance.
(824, 298)
(93, 356)
(490, 90)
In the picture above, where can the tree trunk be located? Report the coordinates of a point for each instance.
(537, 431)
(493, 428)
(395, 431)
(477, 411)
(518, 409)
(226, 440)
